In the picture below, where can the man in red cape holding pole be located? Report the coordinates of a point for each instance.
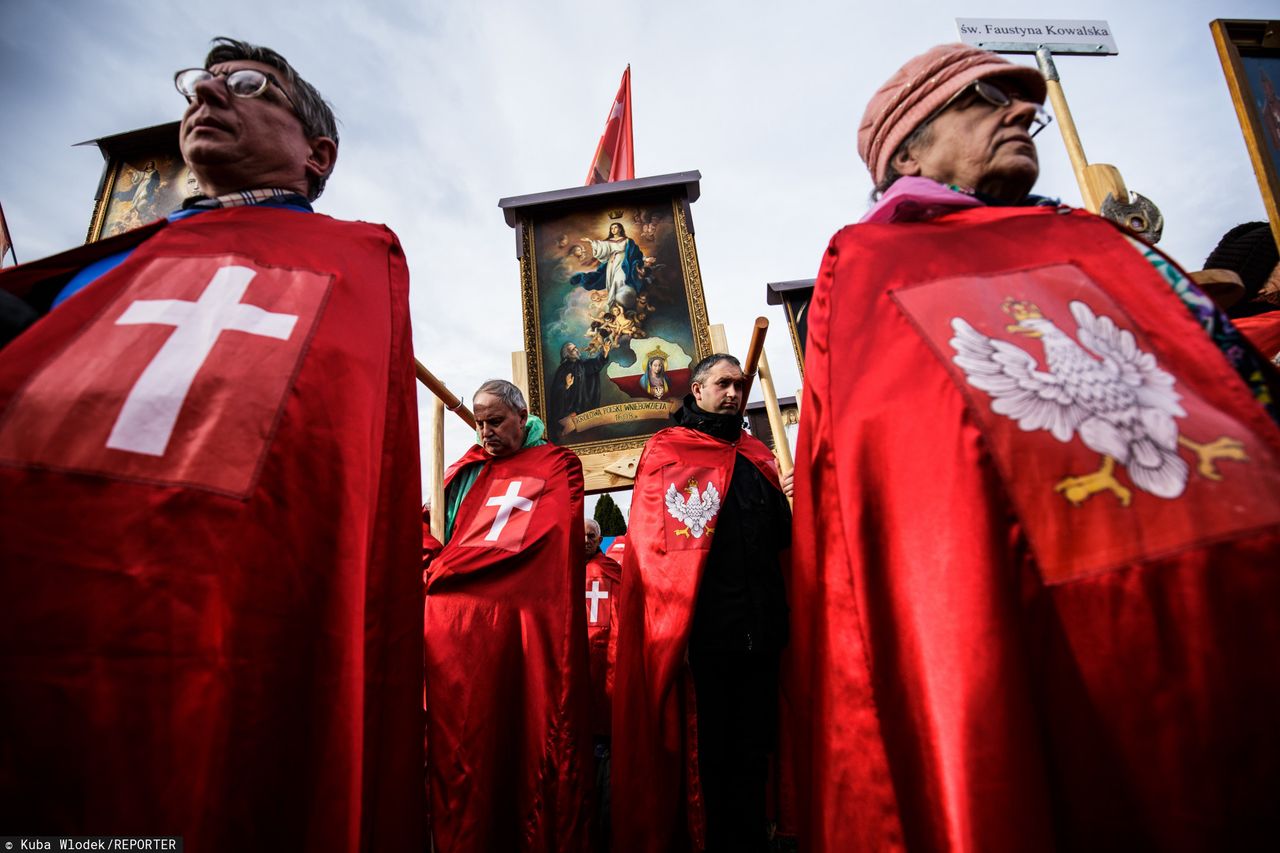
(209, 496)
(1037, 513)
(508, 725)
(703, 619)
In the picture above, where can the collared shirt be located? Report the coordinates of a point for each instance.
(241, 198)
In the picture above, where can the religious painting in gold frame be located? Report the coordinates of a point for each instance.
(614, 314)
(143, 179)
(1250, 55)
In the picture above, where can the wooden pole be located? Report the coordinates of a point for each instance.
(451, 401)
(520, 372)
(1067, 125)
(1096, 181)
(755, 350)
(438, 509)
(781, 446)
(719, 341)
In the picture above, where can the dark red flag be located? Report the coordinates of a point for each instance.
(508, 728)
(657, 805)
(615, 158)
(1004, 637)
(208, 495)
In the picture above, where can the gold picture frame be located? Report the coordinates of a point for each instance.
(1250, 55)
(143, 179)
(614, 313)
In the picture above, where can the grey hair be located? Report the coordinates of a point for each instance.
(922, 135)
(564, 349)
(312, 110)
(589, 523)
(703, 368)
(504, 391)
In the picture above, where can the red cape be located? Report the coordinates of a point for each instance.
(978, 661)
(656, 804)
(604, 588)
(213, 634)
(508, 732)
(1263, 331)
(616, 548)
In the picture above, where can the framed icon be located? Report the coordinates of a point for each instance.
(143, 179)
(1250, 55)
(614, 314)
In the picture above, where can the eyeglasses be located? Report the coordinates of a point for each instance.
(243, 83)
(999, 98)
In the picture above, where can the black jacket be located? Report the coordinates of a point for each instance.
(742, 599)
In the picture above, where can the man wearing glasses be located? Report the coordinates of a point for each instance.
(209, 504)
(1037, 512)
(241, 128)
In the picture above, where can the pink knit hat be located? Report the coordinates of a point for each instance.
(921, 87)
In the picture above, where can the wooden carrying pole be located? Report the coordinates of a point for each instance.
(1096, 181)
(781, 446)
(438, 510)
(520, 372)
(451, 401)
(757, 364)
(755, 349)
(719, 341)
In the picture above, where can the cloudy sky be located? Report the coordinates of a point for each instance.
(447, 107)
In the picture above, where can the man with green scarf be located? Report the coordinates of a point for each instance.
(508, 728)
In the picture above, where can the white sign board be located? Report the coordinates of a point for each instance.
(1018, 35)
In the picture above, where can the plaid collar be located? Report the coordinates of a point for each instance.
(245, 197)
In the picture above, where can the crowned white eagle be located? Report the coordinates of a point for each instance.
(696, 511)
(1105, 389)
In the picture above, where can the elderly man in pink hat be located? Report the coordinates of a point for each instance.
(1037, 513)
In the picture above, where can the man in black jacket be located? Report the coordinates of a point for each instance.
(739, 623)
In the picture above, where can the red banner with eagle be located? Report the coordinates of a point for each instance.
(1037, 524)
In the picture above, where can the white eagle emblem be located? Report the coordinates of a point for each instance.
(697, 511)
(1121, 403)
